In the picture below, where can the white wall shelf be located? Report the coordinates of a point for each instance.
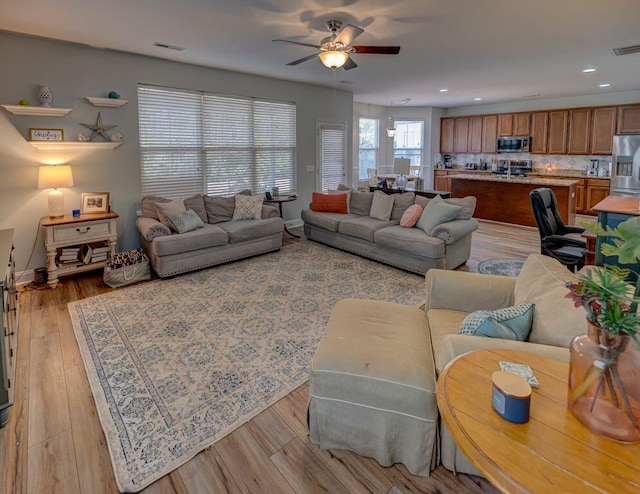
(36, 111)
(108, 102)
(73, 145)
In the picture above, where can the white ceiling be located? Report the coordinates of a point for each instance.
(498, 50)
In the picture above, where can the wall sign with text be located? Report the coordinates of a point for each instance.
(46, 134)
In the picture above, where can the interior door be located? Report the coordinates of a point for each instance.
(331, 163)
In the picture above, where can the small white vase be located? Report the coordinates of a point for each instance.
(45, 96)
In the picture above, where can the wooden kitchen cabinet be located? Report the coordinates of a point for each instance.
(558, 123)
(579, 131)
(603, 128)
(597, 190)
(489, 133)
(580, 195)
(539, 132)
(505, 124)
(441, 180)
(629, 119)
(474, 142)
(446, 135)
(522, 124)
(461, 135)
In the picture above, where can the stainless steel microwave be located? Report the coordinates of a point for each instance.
(513, 144)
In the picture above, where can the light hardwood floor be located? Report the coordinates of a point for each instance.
(53, 442)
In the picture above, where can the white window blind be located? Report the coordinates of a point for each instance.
(368, 146)
(333, 142)
(194, 142)
(407, 143)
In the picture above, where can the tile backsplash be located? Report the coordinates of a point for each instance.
(539, 161)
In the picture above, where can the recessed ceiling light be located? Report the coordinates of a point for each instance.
(477, 99)
(605, 85)
(589, 70)
(443, 90)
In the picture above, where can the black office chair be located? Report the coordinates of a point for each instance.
(553, 240)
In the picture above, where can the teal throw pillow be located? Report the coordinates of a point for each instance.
(510, 323)
(435, 213)
(185, 222)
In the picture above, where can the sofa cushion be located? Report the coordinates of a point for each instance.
(197, 204)
(208, 236)
(411, 241)
(219, 209)
(541, 282)
(435, 213)
(509, 323)
(401, 203)
(247, 207)
(468, 205)
(360, 203)
(382, 206)
(148, 206)
(411, 216)
(326, 221)
(327, 203)
(164, 209)
(241, 230)
(363, 227)
(185, 222)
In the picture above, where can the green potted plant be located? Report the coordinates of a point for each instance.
(604, 370)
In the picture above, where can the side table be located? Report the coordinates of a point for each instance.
(71, 232)
(280, 200)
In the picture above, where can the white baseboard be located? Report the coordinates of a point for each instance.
(24, 277)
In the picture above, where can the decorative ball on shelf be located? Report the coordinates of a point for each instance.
(113, 95)
(81, 137)
(24, 102)
(45, 96)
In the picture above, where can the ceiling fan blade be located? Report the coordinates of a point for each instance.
(349, 64)
(382, 50)
(296, 62)
(348, 34)
(296, 43)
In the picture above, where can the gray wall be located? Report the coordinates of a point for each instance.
(75, 71)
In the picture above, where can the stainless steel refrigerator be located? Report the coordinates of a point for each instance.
(625, 168)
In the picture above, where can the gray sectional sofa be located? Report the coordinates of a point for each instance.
(412, 249)
(220, 240)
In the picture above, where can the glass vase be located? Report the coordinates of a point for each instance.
(604, 384)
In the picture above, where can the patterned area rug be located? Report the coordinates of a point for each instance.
(502, 267)
(175, 365)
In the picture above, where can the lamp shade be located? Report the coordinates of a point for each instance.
(401, 166)
(52, 177)
(333, 59)
(391, 127)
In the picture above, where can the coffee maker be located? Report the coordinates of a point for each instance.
(592, 169)
(448, 160)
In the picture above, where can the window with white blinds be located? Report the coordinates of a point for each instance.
(333, 157)
(193, 142)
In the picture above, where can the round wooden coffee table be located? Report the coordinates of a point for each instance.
(553, 452)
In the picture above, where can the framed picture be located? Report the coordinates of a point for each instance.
(94, 202)
(46, 134)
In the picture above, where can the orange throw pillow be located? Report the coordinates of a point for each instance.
(411, 216)
(325, 203)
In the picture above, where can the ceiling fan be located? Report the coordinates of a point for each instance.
(335, 50)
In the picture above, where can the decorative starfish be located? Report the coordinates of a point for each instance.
(99, 129)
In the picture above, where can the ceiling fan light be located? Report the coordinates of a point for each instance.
(333, 59)
(391, 127)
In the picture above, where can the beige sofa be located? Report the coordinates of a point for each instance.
(377, 397)
(221, 240)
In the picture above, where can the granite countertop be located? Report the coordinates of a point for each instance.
(516, 180)
(566, 173)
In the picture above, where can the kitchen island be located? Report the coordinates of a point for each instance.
(507, 199)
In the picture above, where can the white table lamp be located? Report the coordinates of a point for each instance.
(53, 177)
(401, 167)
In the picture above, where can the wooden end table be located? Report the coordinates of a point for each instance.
(279, 200)
(553, 452)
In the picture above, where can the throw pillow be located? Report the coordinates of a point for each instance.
(197, 204)
(248, 207)
(360, 203)
(400, 204)
(166, 208)
(468, 205)
(341, 191)
(185, 222)
(436, 212)
(411, 216)
(326, 203)
(219, 209)
(510, 323)
(381, 206)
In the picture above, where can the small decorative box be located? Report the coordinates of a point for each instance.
(511, 397)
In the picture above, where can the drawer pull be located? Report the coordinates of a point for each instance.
(85, 231)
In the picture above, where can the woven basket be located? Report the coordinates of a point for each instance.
(126, 268)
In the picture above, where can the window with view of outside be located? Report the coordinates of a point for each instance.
(408, 143)
(368, 156)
